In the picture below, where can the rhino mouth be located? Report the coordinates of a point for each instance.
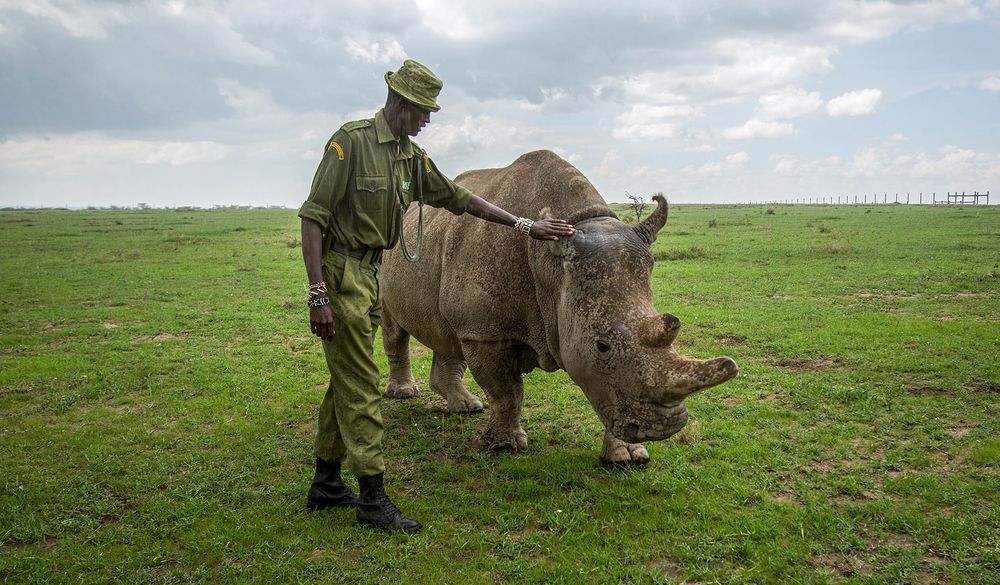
(648, 421)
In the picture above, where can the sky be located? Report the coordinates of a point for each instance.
(176, 103)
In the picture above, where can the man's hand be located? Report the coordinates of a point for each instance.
(321, 322)
(551, 229)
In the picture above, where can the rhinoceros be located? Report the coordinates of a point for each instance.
(500, 304)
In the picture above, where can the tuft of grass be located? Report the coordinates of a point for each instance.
(712, 222)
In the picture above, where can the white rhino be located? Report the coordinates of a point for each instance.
(503, 304)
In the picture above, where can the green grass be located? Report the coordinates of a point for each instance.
(158, 393)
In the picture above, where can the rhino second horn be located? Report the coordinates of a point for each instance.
(652, 225)
(660, 331)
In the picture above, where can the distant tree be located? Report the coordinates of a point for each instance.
(636, 204)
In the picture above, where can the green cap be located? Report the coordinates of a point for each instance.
(416, 83)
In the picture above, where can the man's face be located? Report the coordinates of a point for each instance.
(415, 119)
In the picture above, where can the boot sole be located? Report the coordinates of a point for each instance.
(313, 505)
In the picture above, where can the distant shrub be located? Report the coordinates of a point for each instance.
(292, 241)
(688, 254)
(824, 230)
(712, 223)
(769, 211)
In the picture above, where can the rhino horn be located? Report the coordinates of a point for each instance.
(691, 375)
(652, 225)
(659, 330)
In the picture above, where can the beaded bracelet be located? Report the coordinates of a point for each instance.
(523, 225)
(318, 301)
(316, 289)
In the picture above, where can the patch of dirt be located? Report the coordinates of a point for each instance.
(843, 563)
(299, 344)
(52, 326)
(109, 325)
(167, 336)
(731, 340)
(895, 295)
(667, 568)
(987, 387)
(959, 432)
(968, 294)
(784, 496)
(46, 542)
(820, 363)
(925, 389)
(822, 466)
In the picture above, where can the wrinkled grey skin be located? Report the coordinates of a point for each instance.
(502, 304)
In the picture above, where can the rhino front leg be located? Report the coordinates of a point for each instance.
(446, 380)
(618, 453)
(494, 368)
(396, 343)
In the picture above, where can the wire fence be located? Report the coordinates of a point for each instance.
(949, 198)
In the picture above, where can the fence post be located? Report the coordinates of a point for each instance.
(907, 198)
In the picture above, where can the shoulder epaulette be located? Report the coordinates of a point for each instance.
(356, 125)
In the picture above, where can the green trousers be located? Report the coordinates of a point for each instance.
(350, 418)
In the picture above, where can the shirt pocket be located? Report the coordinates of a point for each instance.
(371, 193)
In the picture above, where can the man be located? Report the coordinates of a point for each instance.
(369, 170)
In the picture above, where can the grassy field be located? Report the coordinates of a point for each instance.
(159, 387)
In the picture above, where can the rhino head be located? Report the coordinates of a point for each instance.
(606, 333)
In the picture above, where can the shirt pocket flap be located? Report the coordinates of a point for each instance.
(372, 184)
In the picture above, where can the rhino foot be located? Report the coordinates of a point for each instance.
(618, 453)
(396, 389)
(508, 440)
(467, 404)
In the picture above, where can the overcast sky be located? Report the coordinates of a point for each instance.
(214, 103)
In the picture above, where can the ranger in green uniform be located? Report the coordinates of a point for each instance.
(370, 170)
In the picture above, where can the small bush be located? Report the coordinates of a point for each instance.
(712, 223)
(769, 211)
(688, 254)
(292, 241)
(824, 230)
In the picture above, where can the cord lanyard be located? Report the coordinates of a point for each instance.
(420, 215)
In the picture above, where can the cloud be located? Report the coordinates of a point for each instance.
(788, 104)
(755, 128)
(652, 122)
(990, 84)
(386, 51)
(860, 22)
(854, 103)
(732, 163)
(71, 154)
(83, 21)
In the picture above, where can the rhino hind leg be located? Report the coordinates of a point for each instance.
(618, 453)
(396, 342)
(446, 380)
(494, 370)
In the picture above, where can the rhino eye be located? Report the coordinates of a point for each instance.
(603, 346)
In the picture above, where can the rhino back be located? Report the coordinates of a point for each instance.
(474, 281)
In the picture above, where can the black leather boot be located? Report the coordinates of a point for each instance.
(378, 510)
(328, 490)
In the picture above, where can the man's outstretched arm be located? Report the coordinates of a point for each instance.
(543, 229)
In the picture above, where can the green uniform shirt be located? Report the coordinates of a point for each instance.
(355, 193)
